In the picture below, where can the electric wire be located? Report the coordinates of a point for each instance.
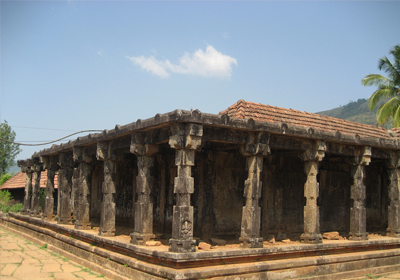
(50, 142)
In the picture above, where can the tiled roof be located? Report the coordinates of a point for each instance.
(266, 113)
(19, 180)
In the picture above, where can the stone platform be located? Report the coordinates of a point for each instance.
(329, 260)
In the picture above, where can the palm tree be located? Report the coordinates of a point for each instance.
(388, 88)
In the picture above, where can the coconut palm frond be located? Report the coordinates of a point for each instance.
(388, 88)
(387, 110)
(377, 96)
(375, 79)
(396, 118)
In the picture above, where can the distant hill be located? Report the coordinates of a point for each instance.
(356, 111)
(14, 169)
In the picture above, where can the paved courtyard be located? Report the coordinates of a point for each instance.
(21, 259)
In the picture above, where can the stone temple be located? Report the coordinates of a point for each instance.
(250, 174)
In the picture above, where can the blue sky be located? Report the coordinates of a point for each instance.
(68, 66)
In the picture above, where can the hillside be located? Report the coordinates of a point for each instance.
(356, 111)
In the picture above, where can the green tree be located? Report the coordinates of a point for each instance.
(8, 150)
(388, 88)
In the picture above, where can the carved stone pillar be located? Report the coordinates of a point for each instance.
(144, 183)
(50, 164)
(65, 175)
(185, 139)
(393, 229)
(311, 158)
(83, 184)
(358, 212)
(26, 168)
(37, 170)
(107, 214)
(254, 150)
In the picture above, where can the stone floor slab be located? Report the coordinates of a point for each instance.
(51, 268)
(9, 269)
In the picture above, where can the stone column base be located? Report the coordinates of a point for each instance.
(64, 220)
(393, 234)
(106, 233)
(256, 242)
(358, 236)
(311, 238)
(35, 215)
(141, 239)
(83, 226)
(182, 246)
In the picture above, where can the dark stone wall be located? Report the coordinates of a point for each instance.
(377, 183)
(218, 199)
(283, 194)
(219, 175)
(334, 194)
(126, 171)
(96, 193)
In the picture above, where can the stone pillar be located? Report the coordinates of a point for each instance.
(144, 183)
(65, 175)
(311, 158)
(186, 138)
(37, 170)
(83, 185)
(50, 164)
(393, 229)
(257, 146)
(26, 168)
(107, 214)
(358, 212)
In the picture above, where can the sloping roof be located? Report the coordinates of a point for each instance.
(266, 113)
(19, 180)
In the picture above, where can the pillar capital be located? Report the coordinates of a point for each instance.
(186, 136)
(65, 160)
(257, 144)
(140, 147)
(314, 153)
(81, 155)
(49, 162)
(362, 156)
(25, 165)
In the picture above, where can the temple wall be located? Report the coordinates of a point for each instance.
(283, 195)
(124, 196)
(377, 201)
(334, 201)
(96, 193)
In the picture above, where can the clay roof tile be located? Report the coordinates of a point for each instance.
(267, 113)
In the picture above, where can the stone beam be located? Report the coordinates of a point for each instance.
(254, 150)
(311, 158)
(358, 212)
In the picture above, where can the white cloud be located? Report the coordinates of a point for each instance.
(210, 63)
